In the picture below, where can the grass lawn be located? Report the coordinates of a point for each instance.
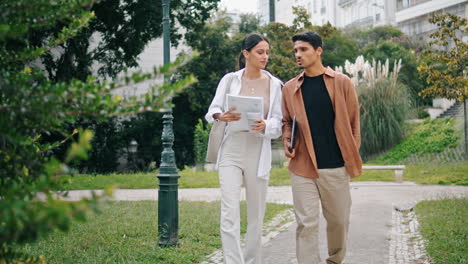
(447, 174)
(439, 174)
(443, 224)
(126, 232)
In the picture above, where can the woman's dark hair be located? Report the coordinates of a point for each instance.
(311, 37)
(248, 43)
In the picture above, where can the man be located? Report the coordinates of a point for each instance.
(325, 152)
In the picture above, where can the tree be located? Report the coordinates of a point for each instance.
(218, 55)
(118, 34)
(33, 105)
(384, 42)
(213, 45)
(301, 18)
(373, 35)
(111, 43)
(249, 23)
(445, 66)
(394, 51)
(337, 48)
(281, 62)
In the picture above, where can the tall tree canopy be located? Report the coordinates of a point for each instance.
(33, 106)
(445, 65)
(118, 34)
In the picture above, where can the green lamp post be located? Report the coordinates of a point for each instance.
(168, 207)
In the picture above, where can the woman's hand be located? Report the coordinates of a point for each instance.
(227, 116)
(259, 125)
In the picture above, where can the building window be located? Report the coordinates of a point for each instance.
(402, 4)
(377, 17)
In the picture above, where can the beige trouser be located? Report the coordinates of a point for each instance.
(239, 162)
(332, 190)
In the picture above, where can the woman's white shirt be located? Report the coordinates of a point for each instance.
(231, 83)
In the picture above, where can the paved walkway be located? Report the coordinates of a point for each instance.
(371, 240)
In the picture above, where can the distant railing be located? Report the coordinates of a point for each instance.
(409, 3)
(344, 2)
(362, 22)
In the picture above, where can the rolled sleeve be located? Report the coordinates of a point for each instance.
(352, 105)
(273, 124)
(217, 104)
(286, 120)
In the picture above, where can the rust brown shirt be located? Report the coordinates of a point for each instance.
(345, 105)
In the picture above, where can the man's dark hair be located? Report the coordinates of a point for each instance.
(311, 37)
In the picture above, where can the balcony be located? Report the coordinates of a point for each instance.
(345, 2)
(414, 9)
(362, 22)
(404, 4)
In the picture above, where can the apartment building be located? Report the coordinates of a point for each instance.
(152, 56)
(364, 13)
(410, 16)
(320, 11)
(263, 11)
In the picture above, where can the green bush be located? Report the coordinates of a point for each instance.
(106, 145)
(423, 114)
(113, 137)
(408, 75)
(366, 36)
(200, 141)
(429, 136)
(383, 112)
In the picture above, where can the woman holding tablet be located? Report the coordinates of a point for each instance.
(245, 156)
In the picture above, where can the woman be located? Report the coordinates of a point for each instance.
(246, 156)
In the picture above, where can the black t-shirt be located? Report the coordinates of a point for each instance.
(321, 117)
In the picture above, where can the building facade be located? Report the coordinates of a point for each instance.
(320, 11)
(364, 13)
(263, 11)
(410, 16)
(152, 56)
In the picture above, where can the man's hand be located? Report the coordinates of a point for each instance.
(287, 150)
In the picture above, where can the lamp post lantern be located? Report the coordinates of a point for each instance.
(132, 150)
(168, 207)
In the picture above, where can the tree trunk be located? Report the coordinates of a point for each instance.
(466, 128)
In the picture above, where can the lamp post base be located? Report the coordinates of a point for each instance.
(168, 207)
